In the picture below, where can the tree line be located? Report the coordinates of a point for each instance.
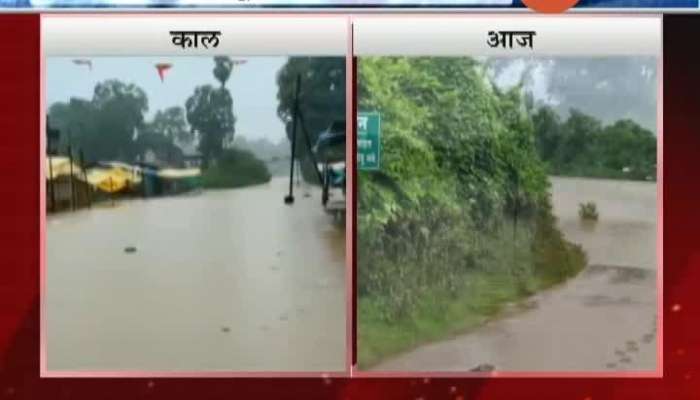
(581, 145)
(112, 124)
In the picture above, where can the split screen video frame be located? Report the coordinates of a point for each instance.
(505, 182)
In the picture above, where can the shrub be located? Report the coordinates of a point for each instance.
(458, 222)
(588, 211)
(235, 168)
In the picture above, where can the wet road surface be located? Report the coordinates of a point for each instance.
(604, 319)
(219, 280)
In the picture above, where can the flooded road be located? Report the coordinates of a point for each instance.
(219, 280)
(604, 319)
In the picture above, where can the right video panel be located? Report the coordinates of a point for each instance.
(508, 215)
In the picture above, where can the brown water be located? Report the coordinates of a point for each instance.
(625, 234)
(604, 319)
(220, 280)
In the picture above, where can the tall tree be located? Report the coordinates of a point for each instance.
(121, 112)
(172, 124)
(162, 147)
(210, 112)
(580, 133)
(222, 69)
(627, 146)
(105, 126)
(321, 98)
(76, 121)
(548, 132)
(582, 146)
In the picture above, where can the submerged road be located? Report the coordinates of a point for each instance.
(219, 280)
(604, 319)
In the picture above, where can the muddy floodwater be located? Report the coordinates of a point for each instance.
(218, 280)
(604, 319)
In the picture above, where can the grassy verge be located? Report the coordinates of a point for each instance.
(437, 316)
(543, 260)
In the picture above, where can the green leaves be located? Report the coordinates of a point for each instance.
(103, 127)
(222, 69)
(322, 95)
(458, 221)
(236, 168)
(172, 124)
(458, 156)
(210, 112)
(449, 136)
(582, 146)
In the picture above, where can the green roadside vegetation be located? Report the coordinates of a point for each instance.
(458, 221)
(478, 294)
(235, 168)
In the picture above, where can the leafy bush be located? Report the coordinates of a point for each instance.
(458, 163)
(457, 222)
(588, 211)
(235, 168)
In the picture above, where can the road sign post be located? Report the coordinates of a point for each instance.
(368, 141)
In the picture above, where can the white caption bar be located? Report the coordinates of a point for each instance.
(114, 35)
(469, 35)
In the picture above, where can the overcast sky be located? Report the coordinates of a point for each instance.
(608, 88)
(253, 85)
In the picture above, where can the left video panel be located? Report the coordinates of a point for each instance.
(183, 233)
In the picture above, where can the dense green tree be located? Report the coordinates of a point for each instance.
(105, 126)
(171, 123)
(626, 146)
(579, 132)
(321, 98)
(582, 146)
(75, 121)
(236, 168)
(223, 66)
(161, 145)
(458, 220)
(547, 125)
(121, 112)
(447, 132)
(210, 112)
(458, 160)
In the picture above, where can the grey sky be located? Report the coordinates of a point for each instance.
(253, 85)
(512, 74)
(609, 88)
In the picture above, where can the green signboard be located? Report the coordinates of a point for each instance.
(368, 140)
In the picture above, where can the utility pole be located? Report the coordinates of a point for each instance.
(289, 199)
(51, 184)
(87, 184)
(72, 185)
(52, 138)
